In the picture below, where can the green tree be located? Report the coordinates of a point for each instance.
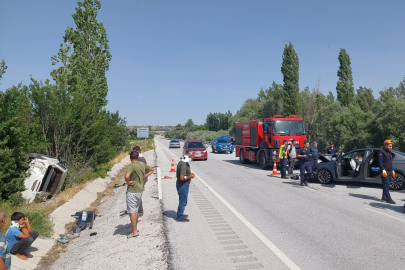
(20, 134)
(3, 68)
(290, 70)
(365, 98)
(344, 87)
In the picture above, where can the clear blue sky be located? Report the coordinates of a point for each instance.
(179, 59)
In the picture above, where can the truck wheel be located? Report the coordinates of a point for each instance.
(242, 157)
(262, 161)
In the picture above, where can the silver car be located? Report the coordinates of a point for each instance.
(174, 143)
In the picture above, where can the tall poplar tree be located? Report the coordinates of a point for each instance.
(344, 87)
(290, 70)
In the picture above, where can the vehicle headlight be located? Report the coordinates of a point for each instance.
(205, 151)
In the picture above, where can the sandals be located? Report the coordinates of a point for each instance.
(132, 236)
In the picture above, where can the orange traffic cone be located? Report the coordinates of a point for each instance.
(173, 169)
(274, 169)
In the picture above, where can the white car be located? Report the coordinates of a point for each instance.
(45, 177)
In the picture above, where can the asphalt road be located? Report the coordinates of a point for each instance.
(244, 218)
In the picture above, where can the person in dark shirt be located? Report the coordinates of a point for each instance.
(314, 153)
(331, 149)
(385, 157)
(305, 163)
(184, 176)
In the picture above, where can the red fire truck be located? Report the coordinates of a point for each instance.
(259, 141)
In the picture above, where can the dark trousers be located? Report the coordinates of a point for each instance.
(21, 246)
(305, 166)
(313, 163)
(182, 190)
(283, 167)
(291, 165)
(386, 184)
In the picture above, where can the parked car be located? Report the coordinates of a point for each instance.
(359, 165)
(45, 177)
(197, 146)
(174, 143)
(222, 144)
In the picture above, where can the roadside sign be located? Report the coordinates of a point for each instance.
(142, 133)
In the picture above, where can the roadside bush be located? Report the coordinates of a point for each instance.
(205, 135)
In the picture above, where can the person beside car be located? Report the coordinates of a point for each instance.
(385, 157)
(305, 163)
(314, 153)
(331, 149)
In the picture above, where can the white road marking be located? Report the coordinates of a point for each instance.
(384, 214)
(284, 258)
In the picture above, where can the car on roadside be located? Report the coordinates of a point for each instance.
(45, 177)
(359, 165)
(198, 147)
(222, 144)
(174, 144)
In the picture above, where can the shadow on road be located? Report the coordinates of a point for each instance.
(170, 214)
(366, 197)
(237, 162)
(395, 208)
(122, 229)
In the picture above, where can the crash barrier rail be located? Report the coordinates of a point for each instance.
(159, 176)
(158, 173)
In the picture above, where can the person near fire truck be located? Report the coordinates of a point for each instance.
(282, 155)
(292, 154)
(305, 163)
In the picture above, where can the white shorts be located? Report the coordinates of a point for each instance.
(134, 201)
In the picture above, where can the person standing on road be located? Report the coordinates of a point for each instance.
(292, 154)
(305, 163)
(5, 256)
(331, 149)
(385, 157)
(141, 159)
(135, 178)
(314, 153)
(282, 155)
(184, 176)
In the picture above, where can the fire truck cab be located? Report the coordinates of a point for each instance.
(259, 141)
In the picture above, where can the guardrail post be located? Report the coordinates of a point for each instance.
(159, 176)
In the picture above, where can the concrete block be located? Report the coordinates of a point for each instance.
(44, 244)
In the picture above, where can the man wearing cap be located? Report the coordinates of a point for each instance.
(385, 157)
(292, 154)
(282, 155)
(313, 153)
(305, 163)
(331, 150)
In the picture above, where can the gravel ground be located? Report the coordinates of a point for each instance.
(110, 248)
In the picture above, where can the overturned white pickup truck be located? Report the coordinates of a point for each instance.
(46, 176)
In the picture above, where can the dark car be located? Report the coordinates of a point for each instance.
(198, 147)
(360, 165)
